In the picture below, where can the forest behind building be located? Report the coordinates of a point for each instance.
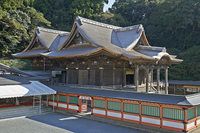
(174, 24)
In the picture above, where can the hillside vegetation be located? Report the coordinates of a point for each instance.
(174, 24)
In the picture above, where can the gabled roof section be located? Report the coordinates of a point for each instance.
(43, 40)
(110, 36)
(51, 39)
(105, 35)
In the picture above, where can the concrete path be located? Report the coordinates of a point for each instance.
(58, 123)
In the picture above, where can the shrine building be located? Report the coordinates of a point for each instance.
(98, 54)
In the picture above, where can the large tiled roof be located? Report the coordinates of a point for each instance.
(31, 53)
(110, 36)
(72, 51)
(130, 43)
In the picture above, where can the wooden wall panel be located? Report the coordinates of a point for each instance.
(92, 77)
(107, 77)
(83, 77)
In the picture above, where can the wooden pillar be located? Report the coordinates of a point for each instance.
(185, 119)
(147, 79)
(161, 116)
(106, 108)
(101, 77)
(136, 77)
(158, 79)
(53, 103)
(77, 75)
(140, 113)
(151, 82)
(67, 76)
(124, 76)
(166, 80)
(195, 115)
(79, 104)
(114, 73)
(88, 75)
(122, 109)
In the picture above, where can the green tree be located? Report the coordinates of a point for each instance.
(17, 24)
(9, 33)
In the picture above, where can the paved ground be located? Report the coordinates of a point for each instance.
(58, 123)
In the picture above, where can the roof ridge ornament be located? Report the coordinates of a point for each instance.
(96, 23)
(152, 48)
(52, 31)
(134, 27)
(140, 28)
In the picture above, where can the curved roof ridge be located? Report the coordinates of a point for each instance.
(151, 48)
(97, 23)
(52, 31)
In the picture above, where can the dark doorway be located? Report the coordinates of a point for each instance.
(130, 79)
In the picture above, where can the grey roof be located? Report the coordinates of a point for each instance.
(176, 82)
(116, 42)
(119, 41)
(24, 78)
(14, 70)
(72, 51)
(49, 37)
(31, 53)
(13, 80)
(33, 89)
(189, 100)
(58, 41)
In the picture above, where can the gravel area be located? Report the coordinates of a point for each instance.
(58, 123)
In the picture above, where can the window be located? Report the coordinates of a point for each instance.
(190, 114)
(73, 100)
(99, 103)
(131, 108)
(62, 98)
(176, 114)
(151, 110)
(114, 105)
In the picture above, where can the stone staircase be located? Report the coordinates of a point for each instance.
(19, 111)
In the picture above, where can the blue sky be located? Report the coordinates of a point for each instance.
(106, 6)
